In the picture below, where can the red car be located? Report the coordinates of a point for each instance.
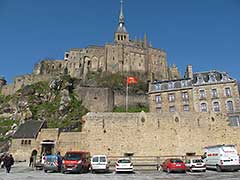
(174, 165)
(76, 161)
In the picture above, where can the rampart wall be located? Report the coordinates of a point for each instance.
(152, 134)
(144, 134)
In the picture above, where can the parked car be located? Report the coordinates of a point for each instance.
(52, 163)
(124, 165)
(76, 161)
(221, 157)
(99, 163)
(195, 164)
(174, 165)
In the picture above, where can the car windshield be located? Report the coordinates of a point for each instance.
(102, 159)
(176, 161)
(197, 161)
(73, 156)
(124, 161)
(51, 158)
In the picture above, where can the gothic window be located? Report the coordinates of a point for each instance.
(214, 93)
(203, 107)
(172, 109)
(118, 37)
(186, 108)
(185, 96)
(216, 107)
(158, 99)
(230, 106)
(202, 94)
(171, 97)
(22, 142)
(228, 92)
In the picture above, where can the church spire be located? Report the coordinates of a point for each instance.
(121, 35)
(121, 16)
(121, 25)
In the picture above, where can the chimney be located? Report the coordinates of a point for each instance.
(189, 72)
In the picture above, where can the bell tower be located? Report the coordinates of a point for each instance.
(121, 35)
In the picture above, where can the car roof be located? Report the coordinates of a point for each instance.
(77, 152)
(124, 159)
(99, 155)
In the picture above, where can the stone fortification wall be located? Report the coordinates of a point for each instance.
(96, 99)
(22, 81)
(72, 141)
(152, 134)
(144, 134)
(133, 100)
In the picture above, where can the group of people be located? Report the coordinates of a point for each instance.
(7, 161)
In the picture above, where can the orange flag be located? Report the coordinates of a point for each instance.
(131, 80)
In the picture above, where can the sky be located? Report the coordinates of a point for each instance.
(204, 33)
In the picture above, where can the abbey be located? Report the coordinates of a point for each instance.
(122, 56)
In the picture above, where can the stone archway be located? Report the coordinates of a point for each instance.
(34, 152)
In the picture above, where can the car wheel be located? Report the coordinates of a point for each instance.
(219, 169)
(168, 170)
(204, 170)
(45, 170)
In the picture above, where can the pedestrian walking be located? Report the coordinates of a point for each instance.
(8, 162)
(31, 162)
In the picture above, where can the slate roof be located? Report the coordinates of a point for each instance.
(29, 129)
(211, 77)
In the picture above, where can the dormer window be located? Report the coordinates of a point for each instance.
(157, 87)
(200, 79)
(212, 77)
(170, 85)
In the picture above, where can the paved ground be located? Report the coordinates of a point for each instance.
(21, 172)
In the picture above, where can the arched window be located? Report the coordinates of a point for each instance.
(230, 106)
(216, 107)
(203, 107)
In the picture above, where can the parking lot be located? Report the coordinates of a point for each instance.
(20, 171)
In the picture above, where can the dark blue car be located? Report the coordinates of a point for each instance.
(52, 163)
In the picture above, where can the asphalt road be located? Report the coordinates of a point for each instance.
(20, 171)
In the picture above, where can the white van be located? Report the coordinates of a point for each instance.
(99, 163)
(221, 157)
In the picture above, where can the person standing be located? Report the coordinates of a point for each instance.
(8, 162)
(31, 162)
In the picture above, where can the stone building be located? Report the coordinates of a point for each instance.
(210, 91)
(121, 56)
